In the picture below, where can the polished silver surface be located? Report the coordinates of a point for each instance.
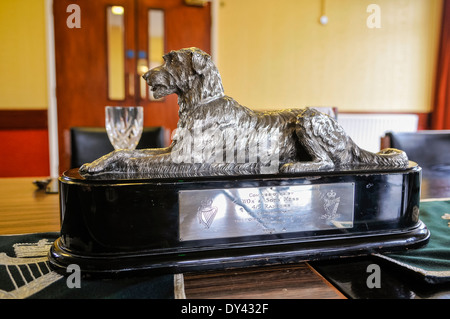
(216, 135)
(227, 213)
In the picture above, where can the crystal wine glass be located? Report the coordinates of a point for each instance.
(124, 125)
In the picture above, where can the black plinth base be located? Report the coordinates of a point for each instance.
(178, 225)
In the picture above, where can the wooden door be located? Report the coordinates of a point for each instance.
(83, 60)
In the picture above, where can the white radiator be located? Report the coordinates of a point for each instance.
(367, 129)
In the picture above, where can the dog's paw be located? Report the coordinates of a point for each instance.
(94, 168)
(110, 163)
(91, 169)
(84, 169)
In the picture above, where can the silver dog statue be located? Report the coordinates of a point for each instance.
(216, 135)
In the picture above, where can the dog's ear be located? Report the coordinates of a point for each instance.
(200, 61)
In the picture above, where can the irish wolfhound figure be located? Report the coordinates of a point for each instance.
(216, 135)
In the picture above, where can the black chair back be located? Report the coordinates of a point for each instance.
(90, 143)
(429, 149)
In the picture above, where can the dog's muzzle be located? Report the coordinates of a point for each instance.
(150, 75)
(158, 80)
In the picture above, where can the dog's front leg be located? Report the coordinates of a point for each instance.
(123, 161)
(114, 162)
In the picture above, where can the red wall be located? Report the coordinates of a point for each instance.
(24, 152)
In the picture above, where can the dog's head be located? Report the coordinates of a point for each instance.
(187, 72)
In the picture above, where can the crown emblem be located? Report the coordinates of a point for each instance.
(330, 204)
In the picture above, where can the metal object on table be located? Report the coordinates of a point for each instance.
(217, 136)
(235, 188)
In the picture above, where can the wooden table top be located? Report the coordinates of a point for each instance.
(296, 281)
(26, 209)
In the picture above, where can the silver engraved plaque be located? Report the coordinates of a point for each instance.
(236, 212)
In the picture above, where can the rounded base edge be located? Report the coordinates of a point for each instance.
(218, 259)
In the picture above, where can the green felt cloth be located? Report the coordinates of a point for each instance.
(431, 262)
(25, 273)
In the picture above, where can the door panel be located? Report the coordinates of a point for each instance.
(81, 60)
